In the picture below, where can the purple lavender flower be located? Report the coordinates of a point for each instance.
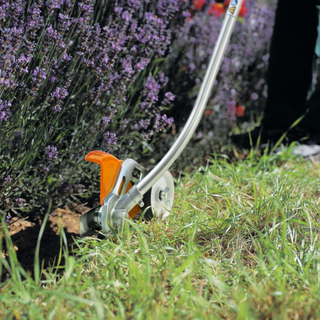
(45, 167)
(23, 60)
(169, 96)
(134, 3)
(162, 122)
(57, 107)
(153, 88)
(8, 219)
(142, 63)
(127, 16)
(110, 138)
(143, 124)
(51, 152)
(37, 80)
(106, 121)
(8, 179)
(53, 79)
(118, 10)
(59, 93)
(83, 6)
(124, 124)
(4, 110)
(54, 4)
(40, 73)
(186, 14)
(66, 57)
(56, 98)
(50, 35)
(127, 65)
(63, 16)
(20, 201)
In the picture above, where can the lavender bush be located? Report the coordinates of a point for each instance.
(240, 84)
(76, 76)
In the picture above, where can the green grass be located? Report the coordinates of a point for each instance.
(241, 243)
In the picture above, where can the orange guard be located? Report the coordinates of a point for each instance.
(110, 168)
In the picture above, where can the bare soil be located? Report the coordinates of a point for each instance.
(24, 235)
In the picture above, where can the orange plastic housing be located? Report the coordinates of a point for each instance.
(110, 168)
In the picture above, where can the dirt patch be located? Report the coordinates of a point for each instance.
(24, 234)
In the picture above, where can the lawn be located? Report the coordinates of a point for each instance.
(241, 243)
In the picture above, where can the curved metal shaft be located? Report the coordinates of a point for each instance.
(158, 171)
(198, 109)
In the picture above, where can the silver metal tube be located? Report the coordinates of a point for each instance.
(157, 172)
(214, 65)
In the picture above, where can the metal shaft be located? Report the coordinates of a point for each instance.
(198, 109)
(158, 171)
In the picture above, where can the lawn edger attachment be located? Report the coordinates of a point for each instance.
(126, 189)
(116, 179)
